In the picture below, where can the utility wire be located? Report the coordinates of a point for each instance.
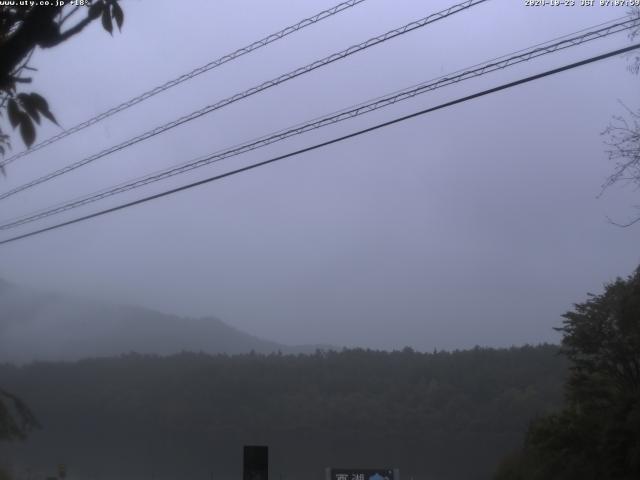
(352, 112)
(188, 76)
(329, 142)
(252, 91)
(2, 163)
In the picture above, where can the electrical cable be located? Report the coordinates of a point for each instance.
(252, 91)
(326, 143)
(345, 114)
(187, 76)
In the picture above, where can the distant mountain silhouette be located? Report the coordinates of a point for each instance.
(51, 327)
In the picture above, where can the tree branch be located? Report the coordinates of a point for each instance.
(68, 15)
(73, 31)
(623, 225)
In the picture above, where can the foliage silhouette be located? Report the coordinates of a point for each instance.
(22, 30)
(597, 434)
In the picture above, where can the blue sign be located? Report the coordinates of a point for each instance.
(362, 474)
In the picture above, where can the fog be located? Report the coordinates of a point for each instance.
(478, 224)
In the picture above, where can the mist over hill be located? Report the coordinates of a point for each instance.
(45, 326)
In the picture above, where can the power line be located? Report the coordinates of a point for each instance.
(380, 102)
(188, 76)
(329, 142)
(345, 114)
(252, 91)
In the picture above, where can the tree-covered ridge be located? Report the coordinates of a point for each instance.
(417, 411)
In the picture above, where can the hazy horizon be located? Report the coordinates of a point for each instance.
(47, 326)
(475, 225)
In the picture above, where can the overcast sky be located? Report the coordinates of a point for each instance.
(478, 224)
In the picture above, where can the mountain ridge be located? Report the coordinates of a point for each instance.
(44, 326)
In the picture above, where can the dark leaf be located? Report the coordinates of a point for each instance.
(106, 21)
(95, 10)
(14, 113)
(29, 106)
(27, 131)
(118, 14)
(42, 106)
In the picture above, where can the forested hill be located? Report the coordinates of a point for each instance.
(439, 415)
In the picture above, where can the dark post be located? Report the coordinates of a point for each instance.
(256, 462)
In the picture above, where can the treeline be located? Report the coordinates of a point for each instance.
(444, 415)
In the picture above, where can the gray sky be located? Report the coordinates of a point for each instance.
(478, 224)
